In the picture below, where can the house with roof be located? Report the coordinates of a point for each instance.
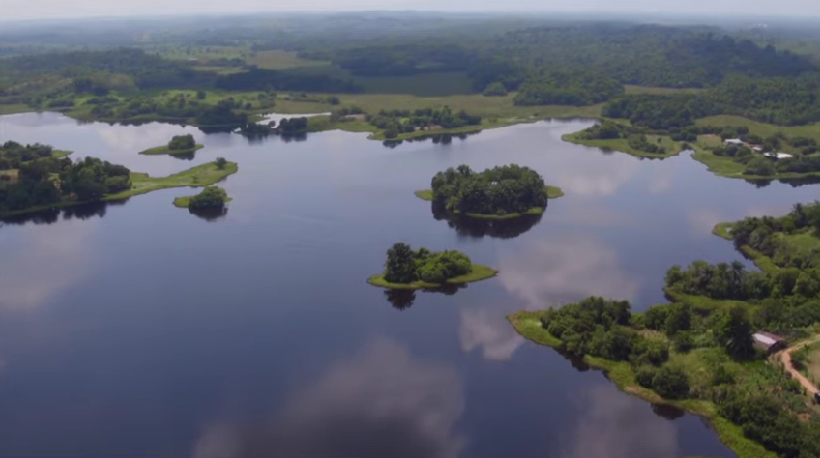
(768, 342)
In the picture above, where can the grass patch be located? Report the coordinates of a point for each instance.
(672, 148)
(554, 192)
(723, 230)
(201, 175)
(477, 273)
(159, 150)
(424, 194)
(14, 108)
(759, 128)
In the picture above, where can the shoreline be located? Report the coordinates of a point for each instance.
(477, 273)
(620, 373)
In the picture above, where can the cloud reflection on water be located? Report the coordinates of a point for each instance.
(542, 274)
(42, 260)
(381, 402)
(614, 425)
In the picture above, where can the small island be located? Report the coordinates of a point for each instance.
(424, 269)
(35, 178)
(503, 192)
(211, 198)
(178, 146)
(634, 141)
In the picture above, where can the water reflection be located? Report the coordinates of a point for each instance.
(51, 216)
(44, 259)
(564, 269)
(404, 298)
(210, 214)
(617, 426)
(466, 226)
(382, 402)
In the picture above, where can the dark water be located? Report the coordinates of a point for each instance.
(142, 330)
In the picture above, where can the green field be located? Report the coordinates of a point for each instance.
(160, 150)
(477, 273)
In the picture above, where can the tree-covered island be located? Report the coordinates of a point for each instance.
(501, 192)
(53, 181)
(211, 198)
(717, 349)
(178, 145)
(406, 268)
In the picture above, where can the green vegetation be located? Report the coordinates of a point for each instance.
(697, 353)
(553, 192)
(211, 197)
(501, 192)
(35, 177)
(423, 269)
(395, 122)
(179, 145)
(202, 175)
(567, 88)
(612, 136)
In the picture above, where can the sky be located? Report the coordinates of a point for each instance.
(42, 9)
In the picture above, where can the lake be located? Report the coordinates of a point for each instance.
(138, 329)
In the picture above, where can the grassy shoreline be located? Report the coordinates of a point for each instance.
(164, 149)
(185, 201)
(673, 148)
(478, 272)
(527, 324)
(141, 183)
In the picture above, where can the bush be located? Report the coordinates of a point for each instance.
(671, 382)
(221, 162)
(645, 375)
(683, 342)
(182, 142)
(211, 197)
(759, 166)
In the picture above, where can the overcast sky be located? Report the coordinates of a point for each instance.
(33, 9)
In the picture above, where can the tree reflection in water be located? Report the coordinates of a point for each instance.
(402, 299)
(466, 226)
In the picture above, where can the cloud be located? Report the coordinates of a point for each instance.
(381, 402)
(615, 425)
(564, 269)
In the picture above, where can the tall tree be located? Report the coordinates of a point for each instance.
(735, 333)
(399, 266)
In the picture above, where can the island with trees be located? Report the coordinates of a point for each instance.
(702, 352)
(508, 191)
(179, 145)
(406, 268)
(55, 181)
(211, 198)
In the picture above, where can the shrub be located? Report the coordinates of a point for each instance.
(671, 382)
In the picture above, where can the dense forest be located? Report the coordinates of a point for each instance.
(50, 180)
(506, 190)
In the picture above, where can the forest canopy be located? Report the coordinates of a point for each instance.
(506, 190)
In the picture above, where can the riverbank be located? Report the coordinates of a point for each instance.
(164, 149)
(477, 273)
(528, 325)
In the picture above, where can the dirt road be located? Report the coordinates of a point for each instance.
(786, 358)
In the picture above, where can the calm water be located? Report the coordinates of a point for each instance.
(142, 330)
